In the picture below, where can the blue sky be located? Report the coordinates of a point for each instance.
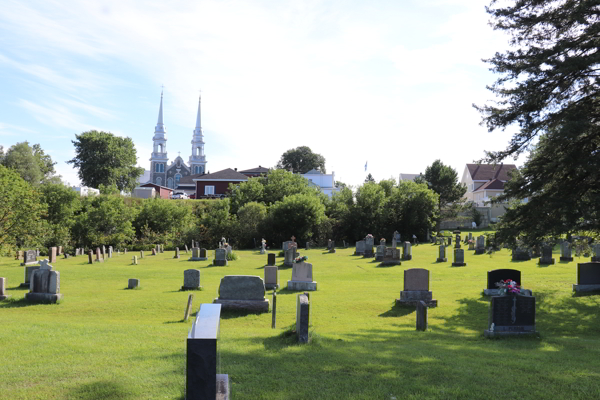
(388, 82)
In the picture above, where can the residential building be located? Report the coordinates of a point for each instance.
(216, 185)
(325, 182)
(485, 181)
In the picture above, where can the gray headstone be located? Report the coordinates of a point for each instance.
(191, 279)
(421, 316)
(133, 283)
(416, 279)
(442, 257)
(407, 254)
(176, 252)
(302, 318)
(241, 287)
(52, 254)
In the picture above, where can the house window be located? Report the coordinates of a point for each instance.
(209, 190)
(177, 178)
(159, 181)
(170, 183)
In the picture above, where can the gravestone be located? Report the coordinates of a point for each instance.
(288, 257)
(329, 244)
(59, 251)
(369, 243)
(379, 253)
(162, 248)
(498, 275)
(302, 317)
(395, 239)
(470, 236)
(45, 285)
(332, 247)
(29, 257)
(176, 252)
(471, 245)
(202, 378)
(416, 288)
(52, 254)
(229, 249)
(220, 258)
(133, 283)
(19, 255)
(271, 277)
(286, 245)
(511, 315)
(596, 256)
(103, 252)
(186, 249)
(98, 255)
(191, 279)
(480, 246)
(302, 277)
(153, 251)
(459, 258)
(546, 258)
(407, 253)
(521, 254)
(565, 251)
(360, 248)
(271, 259)
(110, 251)
(245, 292)
(307, 246)
(28, 272)
(422, 316)
(125, 252)
(3, 295)
(263, 244)
(588, 277)
(442, 256)
(141, 253)
(197, 254)
(391, 256)
(134, 260)
(90, 257)
(457, 244)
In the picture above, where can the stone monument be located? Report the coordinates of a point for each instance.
(416, 288)
(245, 292)
(302, 277)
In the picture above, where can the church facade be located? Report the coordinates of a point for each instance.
(167, 174)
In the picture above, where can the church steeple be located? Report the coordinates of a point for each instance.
(159, 159)
(160, 127)
(197, 159)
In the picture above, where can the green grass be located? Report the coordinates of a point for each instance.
(105, 342)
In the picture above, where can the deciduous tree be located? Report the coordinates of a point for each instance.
(301, 160)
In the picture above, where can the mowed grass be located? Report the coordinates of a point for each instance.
(105, 342)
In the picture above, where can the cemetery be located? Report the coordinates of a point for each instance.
(350, 338)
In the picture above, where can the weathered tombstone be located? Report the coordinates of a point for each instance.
(457, 242)
(90, 257)
(511, 315)
(521, 254)
(242, 292)
(141, 253)
(153, 251)
(203, 254)
(162, 248)
(471, 245)
(459, 258)
(332, 247)
(407, 253)
(307, 246)
(271, 277)
(546, 258)
(395, 239)
(498, 275)
(98, 255)
(588, 277)
(202, 378)
(263, 244)
(288, 257)
(391, 256)
(125, 252)
(565, 251)
(191, 279)
(480, 246)
(59, 251)
(220, 258)
(302, 317)
(271, 259)
(380, 253)
(360, 248)
(134, 260)
(45, 285)
(422, 316)
(302, 277)
(3, 295)
(176, 252)
(188, 308)
(29, 257)
(52, 254)
(186, 249)
(196, 255)
(442, 257)
(229, 249)
(110, 251)
(596, 256)
(28, 273)
(369, 243)
(103, 252)
(416, 288)
(133, 283)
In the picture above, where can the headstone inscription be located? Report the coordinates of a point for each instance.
(565, 251)
(360, 248)
(271, 277)
(45, 285)
(498, 275)
(133, 283)
(29, 257)
(52, 255)
(247, 292)
(391, 256)
(407, 253)
(3, 295)
(271, 259)
(416, 288)
(220, 258)
(442, 256)
(511, 315)
(459, 258)
(191, 280)
(588, 277)
(546, 258)
(202, 380)
(302, 277)
(302, 317)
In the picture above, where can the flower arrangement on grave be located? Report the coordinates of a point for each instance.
(508, 286)
(369, 236)
(300, 259)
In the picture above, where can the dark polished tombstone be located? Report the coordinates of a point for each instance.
(29, 257)
(302, 317)
(271, 259)
(546, 258)
(588, 277)
(511, 316)
(203, 382)
(498, 275)
(521, 254)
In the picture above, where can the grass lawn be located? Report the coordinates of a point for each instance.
(105, 342)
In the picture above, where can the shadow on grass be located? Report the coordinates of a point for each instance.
(398, 311)
(587, 294)
(383, 265)
(106, 390)
(14, 303)
(19, 288)
(230, 314)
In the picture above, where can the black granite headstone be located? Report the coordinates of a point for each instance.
(271, 259)
(498, 275)
(588, 273)
(512, 313)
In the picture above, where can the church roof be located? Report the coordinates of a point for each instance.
(189, 180)
(223, 175)
(487, 172)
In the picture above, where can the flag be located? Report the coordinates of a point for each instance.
(366, 165)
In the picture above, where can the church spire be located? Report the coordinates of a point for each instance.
(198, 124)
(197, 159)
(160, 127)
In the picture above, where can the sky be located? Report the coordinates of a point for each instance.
(385, 84)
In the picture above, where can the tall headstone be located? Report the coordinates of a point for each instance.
(90, 257)
(153, 251)
(99, 255)
(3, 295)
(332, 246)
(110, 251)
(271, 259)
(220, 258)
(588, 277)
(263, 245)
(369, 243)
(480, 246)
(103, 252)
(134, 260)
(271, 277)
(442, 257)
(565, 251)
(288, 257)
(407, 253)
(416, 288)
(511, 315)
(59, 251)
(176, 252)
(45, 285)
(191, 279)
(141, 253)
(459, 258)
(395, 239)
(302, 317)
(52, 255)
(186, 249)
(360, 248)
(302, 277)
(242, 292)
(546, 258)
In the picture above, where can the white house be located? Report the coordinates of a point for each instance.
(485, 181)
(85, 191)
(325, 182)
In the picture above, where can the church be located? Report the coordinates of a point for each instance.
(161, 172)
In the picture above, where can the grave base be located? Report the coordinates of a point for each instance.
(251, 305)
(298, 285)
(595, 259)
(442, 260)
(491, 334)
(455, 264)
(413, 297)
(43, 297)
(198, 259)
(479, 251)
(566, 259)
(220, 263)
(407, 258)
(359, 253)
(271, 286)
(379, 258)
(25, 285)
(368, 254)
(30, 263)
(288, 265)
(183, 288)
(222, 387)
(391, 262)
(4, 297)
(586, 288)
(546, 262)
(413, 303)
